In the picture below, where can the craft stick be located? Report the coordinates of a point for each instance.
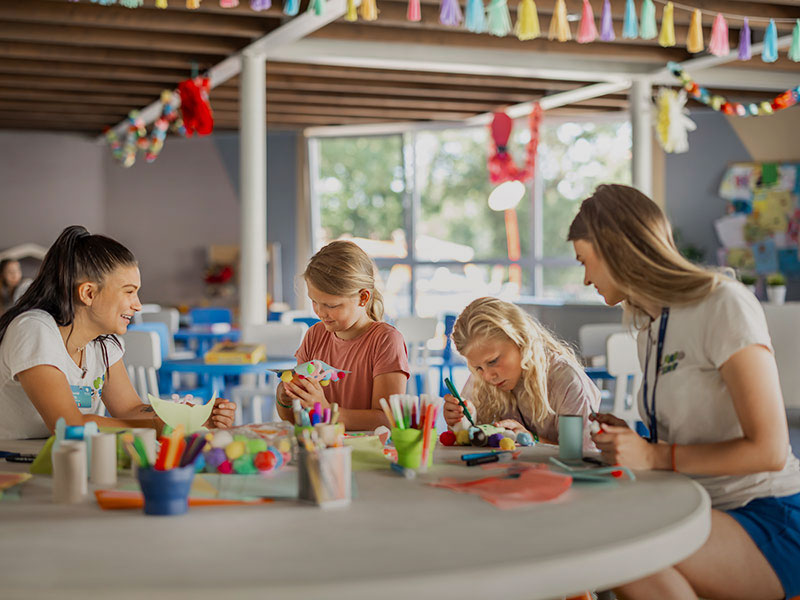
(387, 412)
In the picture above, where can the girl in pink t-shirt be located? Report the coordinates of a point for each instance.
(352, 337)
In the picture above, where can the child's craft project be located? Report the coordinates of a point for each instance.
(192, 417)
(316, 370)
(247, 451)
(487, 435)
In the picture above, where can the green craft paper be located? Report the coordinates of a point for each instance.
(173, 414)
(367, 453)
(769, 173)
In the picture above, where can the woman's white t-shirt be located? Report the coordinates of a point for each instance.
(693, 405)
(33, 339)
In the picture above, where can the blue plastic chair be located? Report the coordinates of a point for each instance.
(449, 361)
(310, 321)
(163, 334)
(207, 316)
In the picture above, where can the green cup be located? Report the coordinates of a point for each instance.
(408, 443)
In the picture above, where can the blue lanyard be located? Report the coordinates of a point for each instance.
(650, 404)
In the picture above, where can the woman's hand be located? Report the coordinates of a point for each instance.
(620, 445)
(608, 419)
(308, 391)
(452, 410)
(512, 425)
(222, 415)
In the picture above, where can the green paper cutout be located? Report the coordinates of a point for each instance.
(192, 418)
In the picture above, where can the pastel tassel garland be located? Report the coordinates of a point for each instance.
(476, 16)
(648, 29)
(131, 3)
(498, 19)
(744, 41)
(369, 10)
(161, 3)
(719, 46)
(291, 7)
(259, 5)
(694, 41)
(607, 23)
(450, 13)
(317, 7)
(667, 36)
(527, 27)
(794, 51)
(630, 26)
(192, 4)
(351, 14)
(414, 12)
(229, 3)
(770, 52)
(559, 27)
(587, 30)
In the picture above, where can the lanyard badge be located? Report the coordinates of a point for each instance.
(650, 403)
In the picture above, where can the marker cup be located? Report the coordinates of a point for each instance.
(408, 443)
(570, 437)
(325, 476)
(166, 492)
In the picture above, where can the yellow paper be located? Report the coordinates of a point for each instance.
(174, 414)
(771, 215)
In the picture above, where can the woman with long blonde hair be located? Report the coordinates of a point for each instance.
(710, 397)
(522, 377)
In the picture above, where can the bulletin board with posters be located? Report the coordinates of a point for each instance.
(759, 233)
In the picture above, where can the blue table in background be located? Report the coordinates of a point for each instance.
(202, 337)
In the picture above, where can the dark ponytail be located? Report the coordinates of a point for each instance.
(76, 256)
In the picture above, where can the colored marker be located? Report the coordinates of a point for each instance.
(456, 395)
(474, 455)
(404, 471)
(387, 412)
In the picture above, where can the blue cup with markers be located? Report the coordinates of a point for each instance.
(166, 492)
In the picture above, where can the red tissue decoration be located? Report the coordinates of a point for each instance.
(219, 275)
(501, 164)
(195, 107)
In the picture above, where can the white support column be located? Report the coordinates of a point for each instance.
(642, 127)
(253, 185)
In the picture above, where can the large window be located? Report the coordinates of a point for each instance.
(432, 186)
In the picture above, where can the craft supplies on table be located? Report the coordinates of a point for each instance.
(235, 353)
(69, 472)
(316, 370)
(248, 450)
(413, 422)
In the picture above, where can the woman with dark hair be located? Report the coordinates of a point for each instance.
(12, 285)
(59, 351)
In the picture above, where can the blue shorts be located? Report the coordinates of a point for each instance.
(774, 525)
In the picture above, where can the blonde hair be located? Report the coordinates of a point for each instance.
(343, 269)
(634, 238)
(490, 319)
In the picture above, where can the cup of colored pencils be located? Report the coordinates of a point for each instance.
(324, 463)
(166, 484)
(413, 423)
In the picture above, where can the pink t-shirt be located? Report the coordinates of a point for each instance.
(381, 349)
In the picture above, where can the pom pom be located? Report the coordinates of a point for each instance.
(450, 13)
(648, 29)
(559, 27)
(694, 41)
(369, 10)
(291, 7)
(507, 444)
(498, 20)
(770, 52)
(587, 30)
(214, 458)
(448, 438)
(225, 467)
(244, 465)
(607, 23)
(719, 46)
(494, 440)
(476, 16)
(265, 461)
(744, 41)
(234, 450)
(524, 438)
(630, 26)
(794, 51)
(462, 438)
(414, 12)
(666, 38)
(527, 27)
(672, 121)
(351, 14)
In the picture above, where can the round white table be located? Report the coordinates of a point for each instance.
(398, 539)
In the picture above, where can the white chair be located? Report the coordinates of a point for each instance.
(592, 339)
(170, 317)
(146, 308)
(417, 332)
(783, 322)
(622, 362)
(281, 341)
(143, 359)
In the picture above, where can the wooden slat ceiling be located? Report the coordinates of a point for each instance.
(67, 66)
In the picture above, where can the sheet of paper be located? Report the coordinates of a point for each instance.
(730, 230)
(368, 454)
(738, 181)
(766, 257)
(174, 414)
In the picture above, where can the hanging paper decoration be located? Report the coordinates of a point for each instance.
(259, 5)
(785, 100)
(694, 41)
(476, 16)
(414, 11)
(630, 27)
(498, 20)
(131, 3)
(450, 13)
(794, 51)
(648, 28)
(317, 7)
(192, 4)
(672, 121)
(501, 165)
(607, 23)
(527, 27)
(587, 31)
(229, 3)
(195, 107)
(169, 116)
(351, 14)
(770, 51)
(744, 41)
(666, 38)
(368, 10)
(161, 3)
(719, 46)
(559, 27)
(291, 7)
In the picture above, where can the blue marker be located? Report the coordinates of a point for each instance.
(404, 471)
(474, 455)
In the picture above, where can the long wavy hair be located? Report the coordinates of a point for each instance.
(341, 268)
(74, 258)
(634, 238)
(490, 319)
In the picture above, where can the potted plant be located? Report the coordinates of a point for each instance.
(776, 288)
(749, 281)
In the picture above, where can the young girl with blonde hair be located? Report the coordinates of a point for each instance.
(710, 396)
(522, 377)
(351, 336)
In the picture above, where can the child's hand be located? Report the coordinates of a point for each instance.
(222, 415)
(623, 446)
(512, 425)
(308, 391)
(452, 410)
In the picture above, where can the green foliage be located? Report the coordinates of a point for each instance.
(776, 279)
(747, 279)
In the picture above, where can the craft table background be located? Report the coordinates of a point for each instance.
(399, 539)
